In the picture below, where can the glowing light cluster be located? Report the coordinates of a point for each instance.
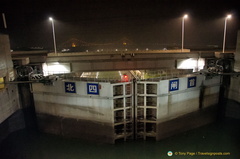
(195, 64)
(56, 68)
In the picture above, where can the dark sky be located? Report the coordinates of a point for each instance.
(104, 21)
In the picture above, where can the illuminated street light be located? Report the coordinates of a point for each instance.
(183, 18)
(54, 38)
(225, 29)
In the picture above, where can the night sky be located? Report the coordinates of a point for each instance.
(105, 21)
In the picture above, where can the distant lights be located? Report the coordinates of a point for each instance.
(185, 16)
(99, 50)
(125, 78)
(225, 29)
(54, 37)
(73, 45)
(229, 16)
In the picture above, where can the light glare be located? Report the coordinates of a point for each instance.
(229, 16)
(195, 64)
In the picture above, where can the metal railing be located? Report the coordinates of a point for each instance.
(143, 75)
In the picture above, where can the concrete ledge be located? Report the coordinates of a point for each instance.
(186, 122)
(69, 127)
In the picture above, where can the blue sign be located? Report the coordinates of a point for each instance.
(173, 85)
(92, 88)
(192, 82)
(70, 87)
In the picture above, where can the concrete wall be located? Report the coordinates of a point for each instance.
(177, 103)
(233, 104)
(234, 90)
(10, 118)
(237, 54)
(9, 102)
(54, 101)
(75, 114)
(234, 93)
(187, 100)
(211, 88)
(6, 65)
(92, 117)
(187, 108)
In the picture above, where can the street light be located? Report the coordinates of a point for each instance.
(183, 18)
(54, 40)
(225, 29)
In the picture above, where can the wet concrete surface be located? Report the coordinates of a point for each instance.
(221, 136)
(77, 128)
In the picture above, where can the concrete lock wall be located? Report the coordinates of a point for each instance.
(164, 112)
(233, 104)
(108, 115)
(6, 64)
(91, 114)
(10, 119)
(235, 81)
(182, 101)
(187, 108)
(237, 54)
(8, 105)
(9, 102)
(234, 93)
(53, 100)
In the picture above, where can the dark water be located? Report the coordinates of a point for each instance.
(221, 136)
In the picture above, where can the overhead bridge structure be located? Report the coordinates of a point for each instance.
(120, 60)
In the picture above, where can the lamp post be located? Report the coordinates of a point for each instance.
(183, 18)
(54, 38)
(225, 29)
